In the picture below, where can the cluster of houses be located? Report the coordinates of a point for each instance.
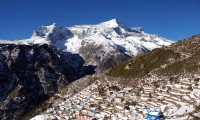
(110, 101)
(98, 101)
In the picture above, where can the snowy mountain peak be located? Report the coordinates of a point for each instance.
(56, 25)
(53, 33)
(98, 44)
(112, 27)
(46, 30)
(113, 23)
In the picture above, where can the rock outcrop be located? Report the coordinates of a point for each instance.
(31, 74)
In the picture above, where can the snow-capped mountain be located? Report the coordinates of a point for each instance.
(33, 69)
(103, 45)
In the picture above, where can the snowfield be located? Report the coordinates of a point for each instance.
(112, 34)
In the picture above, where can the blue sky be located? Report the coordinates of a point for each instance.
(172, 19)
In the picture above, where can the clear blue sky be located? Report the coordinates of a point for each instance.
(172, 19)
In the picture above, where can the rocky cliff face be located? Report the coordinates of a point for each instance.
(30, 74)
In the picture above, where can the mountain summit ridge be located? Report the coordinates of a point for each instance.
(113, 23)
(98, 44)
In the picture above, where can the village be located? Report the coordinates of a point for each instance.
(110, 101)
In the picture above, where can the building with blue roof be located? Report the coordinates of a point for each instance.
(154, 115)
